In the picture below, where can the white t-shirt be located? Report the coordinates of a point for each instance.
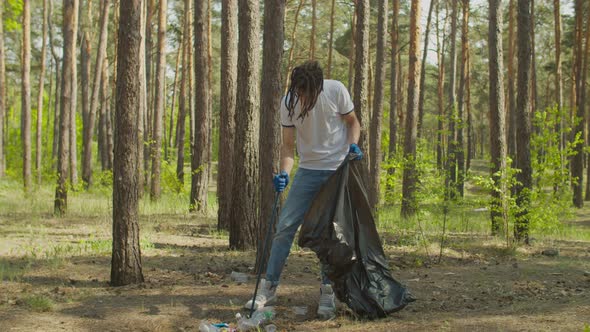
(322, 135)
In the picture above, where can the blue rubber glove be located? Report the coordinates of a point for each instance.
(281, 181)
(354, 149)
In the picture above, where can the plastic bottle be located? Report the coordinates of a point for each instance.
(205, 326)
(260, 316)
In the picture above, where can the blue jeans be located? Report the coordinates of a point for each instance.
(305, 185)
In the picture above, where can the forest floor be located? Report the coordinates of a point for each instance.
(54, 276)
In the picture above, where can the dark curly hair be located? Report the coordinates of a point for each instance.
(307, 79)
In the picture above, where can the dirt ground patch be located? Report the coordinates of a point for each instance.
(478, 286)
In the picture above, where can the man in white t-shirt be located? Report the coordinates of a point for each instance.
(320, 114)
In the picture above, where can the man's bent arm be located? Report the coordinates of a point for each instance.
(354, 127)
(288, 149)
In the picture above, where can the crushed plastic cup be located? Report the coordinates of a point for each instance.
(259, 317)
(205, 326)
(300, 311)
(270, 328)
(238, 277)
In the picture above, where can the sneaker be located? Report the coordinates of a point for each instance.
(327, 306)
(265, 295)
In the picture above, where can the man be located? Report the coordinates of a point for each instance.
(320, 114)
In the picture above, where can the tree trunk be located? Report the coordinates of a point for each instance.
(200, 147)
(39, 151)
(330, 41)
(409, 203)
(423, 72)
(270, 130)
(2, 92)
(244, 215)
(126, 267)
(183, 98)
(453, 146)
(352, 54)
(583, 98)
(156, 155)
(498, 211)
(293, 44)
(360, 91)
(393, 124)
(578, 134)
(376, 121)
(470, 137)
(460, 152)
(313, 29)
(534, 95)
(558, 77)
(512, 82)
(227, 127)
(56, 60)
(73, 132)
(523, 123)
(143, 98)
(70, 23)
(89, 124)
(26, 95)
(168, 140)
(440, 50)
(85, 64)
(104, 119)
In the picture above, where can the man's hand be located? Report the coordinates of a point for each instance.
(281, 181)
(355, 150)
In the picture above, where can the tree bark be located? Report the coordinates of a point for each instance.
(168, 141)
(440, 50)
(126, 267)
(200, 147)
(70, 23)
(360, 91)
(227, 127)
(578, 134)
(184, 94)
(376, 120)
(104, 120)
(409, 203)
(244, 216)
(143, 97)
(558, 76)
(73, 132)
(270, 130)
(393, 124)
(2, 92)
(523, 123)
(460, 152)
(54, 145)
(498, 211)
(512, 82)
(39, 151)
(89, 124)
(156, 155)
(423, 72)
(451, 177)
(331, 41)
(26, 94)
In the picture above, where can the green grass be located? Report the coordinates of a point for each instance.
(39, 303)
(11, 272)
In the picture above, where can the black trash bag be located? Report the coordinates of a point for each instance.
(340, 229)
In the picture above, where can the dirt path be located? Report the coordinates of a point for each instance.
(478, 286)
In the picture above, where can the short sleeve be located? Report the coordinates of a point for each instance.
(345, 104)
(285, 119)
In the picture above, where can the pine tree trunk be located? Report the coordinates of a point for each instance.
(452, 150)
(331, 41)
(156, 155)
(393, 124)
(200, 146)
(73, 132)
(293, 44)
(2, 91)
(103, 126)
(423, 72)
(376, 121)
(440, 50)
(512, 82)
(126, 266)
(39, 130)
(523, 123)
(56, 60)
(70, 23)
(583, 99)
(143, 99)
(168, 140)
(578, 158)
(352, 54)
(409, 203)
(85, 64)
(227, 127)
(360, 91)
(313, 29)
(244, 215)
(26, 95)
(270, 130)
(558, 77)
(460, 152)
(184, 95)
(91, 116)
(498, 212)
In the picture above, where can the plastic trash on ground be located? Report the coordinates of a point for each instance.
(238, 277)
(340, 229)
(258, 318)
(205, 326)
